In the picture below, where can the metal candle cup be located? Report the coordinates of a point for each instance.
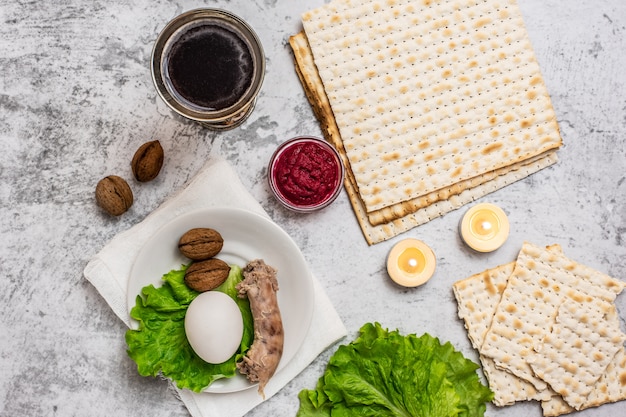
(484, 227)
(220, 92)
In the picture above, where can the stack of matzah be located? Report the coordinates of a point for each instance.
(546, 329)
(432, 104)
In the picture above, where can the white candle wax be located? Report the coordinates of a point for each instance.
(484, 227)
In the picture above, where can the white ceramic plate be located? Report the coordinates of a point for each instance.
(247, 236)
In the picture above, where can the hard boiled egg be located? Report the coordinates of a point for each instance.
(214, 326)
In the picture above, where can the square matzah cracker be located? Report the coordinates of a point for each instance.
(610, 388)
(392, 220)
(478, 297)
(576, 352)
(541, 282)
(429, 93)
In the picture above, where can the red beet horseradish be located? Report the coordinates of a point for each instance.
(306, 174)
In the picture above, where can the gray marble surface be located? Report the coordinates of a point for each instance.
(76, 100)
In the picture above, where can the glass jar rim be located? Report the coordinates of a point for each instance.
(181, 24)
(272, 180)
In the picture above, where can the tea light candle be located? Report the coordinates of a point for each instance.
(484, 227)
(411, 263)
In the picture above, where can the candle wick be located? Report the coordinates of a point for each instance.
(486, 225)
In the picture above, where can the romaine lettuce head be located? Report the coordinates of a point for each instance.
(383, 373)
(160, 346)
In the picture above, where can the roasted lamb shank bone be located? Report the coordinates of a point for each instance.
(260, 286)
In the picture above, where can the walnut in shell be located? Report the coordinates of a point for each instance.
(114, 195)
(200, 243)
(206, 275)
(147, 161)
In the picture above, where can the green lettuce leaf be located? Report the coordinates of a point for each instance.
(383, 373)
(160, 346)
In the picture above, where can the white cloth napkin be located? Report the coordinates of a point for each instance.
(216, 184)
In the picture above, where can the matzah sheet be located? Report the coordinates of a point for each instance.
(426, 94)
(583, 341)
(541, 282)
(477, 298)
(399, 218)
(578, 349)
(610, 388)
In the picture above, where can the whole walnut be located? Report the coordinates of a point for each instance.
(147, 161)
(114, 195)
(206, 275)
(200, 243)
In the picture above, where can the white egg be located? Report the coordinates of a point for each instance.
(214, 326)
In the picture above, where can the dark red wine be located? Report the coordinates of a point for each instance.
(210, 66)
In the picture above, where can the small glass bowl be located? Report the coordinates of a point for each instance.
(306, 174)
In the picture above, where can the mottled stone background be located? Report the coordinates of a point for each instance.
(76, 100)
